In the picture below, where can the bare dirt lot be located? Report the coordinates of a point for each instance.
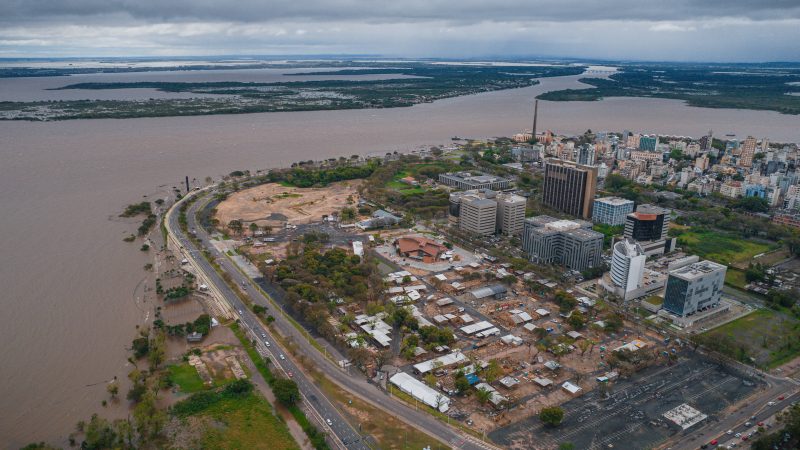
(273, 204)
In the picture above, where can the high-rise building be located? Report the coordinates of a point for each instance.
(510, 213)
(471, 211)
(648, 143)
(611, 210)
(648, 226)
(748, 151)
(633, 140)
(707, 141)
(572, 244)
(694, 288)
(477, 214)
(569, 187)
(627, 265)
(586, 155)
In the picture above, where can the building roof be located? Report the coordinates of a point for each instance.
(571, 388)
(476, 327)
(487, 291)
(420, 391)
(614, 201)
(443, 361)
(697, 270)
(407, 244)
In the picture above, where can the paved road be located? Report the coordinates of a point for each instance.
(342, 434)
(756, 406)
(354, 383)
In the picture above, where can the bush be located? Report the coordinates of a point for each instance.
(551, 416)
(286, 391)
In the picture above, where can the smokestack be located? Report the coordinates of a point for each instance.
(535, 114)
(187, 184)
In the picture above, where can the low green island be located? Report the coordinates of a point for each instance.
(773, 87)
(411, 84)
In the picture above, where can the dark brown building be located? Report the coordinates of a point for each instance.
(569, 187)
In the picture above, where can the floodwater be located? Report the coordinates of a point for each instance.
(72, 288)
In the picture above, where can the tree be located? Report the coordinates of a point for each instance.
(492, 371)
(430, 380)
(551, 416)
(286, 391)
(461, 382)
(566, 446)
(113, 388)
(253, 227)
(236, 226)
(483, 395)
(576, 320)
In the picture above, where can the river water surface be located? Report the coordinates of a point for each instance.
(69, 300)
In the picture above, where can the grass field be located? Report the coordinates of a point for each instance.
(770, 337)
(186, 377)
(246, 423)
(720, 247)
(403, 188)
(735, 278)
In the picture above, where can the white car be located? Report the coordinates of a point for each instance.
(329, 421)
(263, 335)
(729, 432)
(267, 344)
(282, 357)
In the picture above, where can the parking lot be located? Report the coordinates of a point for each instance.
(632, 415)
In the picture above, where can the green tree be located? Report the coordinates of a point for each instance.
(286, 391)
(236, 226)
(492, 371)
(551, 416)
(461, 382)
(577, 320)
(483, 395)
(253, 227)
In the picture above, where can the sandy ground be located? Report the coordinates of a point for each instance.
(273, 204)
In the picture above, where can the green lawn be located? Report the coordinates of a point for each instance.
(771, 338)
(720, 247)
(735, 278)
(186, 377)
(246, 423)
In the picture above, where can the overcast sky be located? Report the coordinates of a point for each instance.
(684, 30)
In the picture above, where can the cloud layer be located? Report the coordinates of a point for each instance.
(698, 30)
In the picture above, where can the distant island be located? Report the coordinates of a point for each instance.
(774, 87)
(415, 83)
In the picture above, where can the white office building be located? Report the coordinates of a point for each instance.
(510, 213)
(627, 265)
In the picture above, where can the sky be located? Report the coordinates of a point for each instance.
(662, 30)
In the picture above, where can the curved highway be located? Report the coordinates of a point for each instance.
(356, 385)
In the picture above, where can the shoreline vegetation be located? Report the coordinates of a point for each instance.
(420, 83)
(705, 86)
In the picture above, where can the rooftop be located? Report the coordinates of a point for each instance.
(614, 201)
(697, 270)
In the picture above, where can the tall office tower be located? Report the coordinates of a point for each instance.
(569, 187)
(765, 145)
(633, 140)
(586, 155)
(706, 141)
(748, 151)
(648, 143)
(648, 226)
(572, 244)
(694, 287)
(611, 210)
(627, 265)
(535, 117)
(510, 213)
(478, 214)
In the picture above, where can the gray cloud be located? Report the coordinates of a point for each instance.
(392, 11)
(618, 29)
